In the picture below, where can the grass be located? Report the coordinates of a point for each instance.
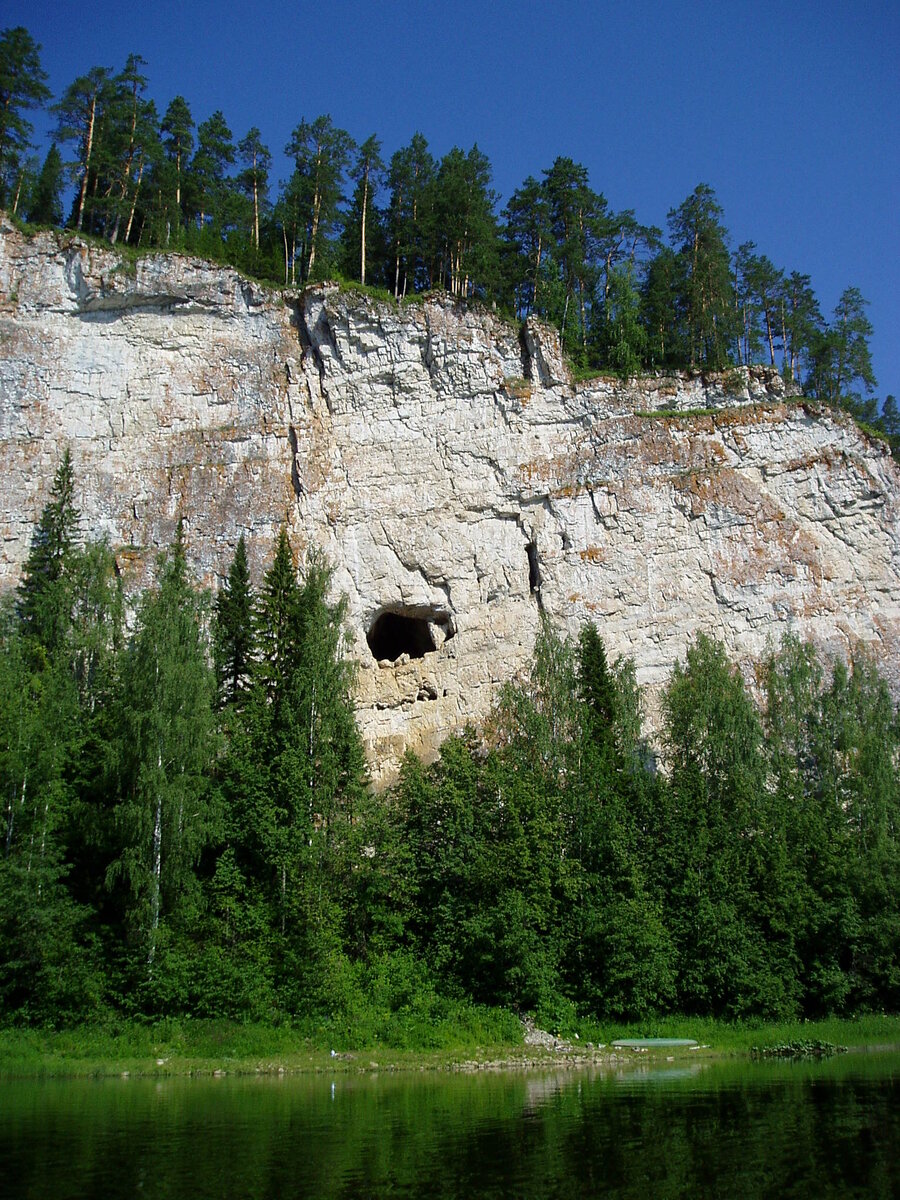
(187, 1046)
(740, 1037)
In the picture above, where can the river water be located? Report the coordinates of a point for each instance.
(829, 1129)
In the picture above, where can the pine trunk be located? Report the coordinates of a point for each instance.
(88, 144)
(362, 255)
(134, 200)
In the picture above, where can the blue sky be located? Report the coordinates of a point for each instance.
(790, 110)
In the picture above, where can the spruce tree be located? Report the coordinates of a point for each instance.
(45, 205)
(233, 630)
(44, 593)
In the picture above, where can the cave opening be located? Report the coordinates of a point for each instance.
(394, 633)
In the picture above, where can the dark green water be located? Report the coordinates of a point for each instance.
(819, 1130)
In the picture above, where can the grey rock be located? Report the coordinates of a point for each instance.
(449, 468)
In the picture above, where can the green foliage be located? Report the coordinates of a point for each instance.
(704, 280)
(45, 203)
(167, 854)
(164, 813)
(233, 630)
(22, 87)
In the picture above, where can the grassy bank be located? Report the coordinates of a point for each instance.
(186, 1046)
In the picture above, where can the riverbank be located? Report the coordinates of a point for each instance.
(197, 1047)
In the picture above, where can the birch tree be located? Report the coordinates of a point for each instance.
(164, 815)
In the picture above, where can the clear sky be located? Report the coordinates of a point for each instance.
(790, 110)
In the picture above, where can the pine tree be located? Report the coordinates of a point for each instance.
(253, 181)
(527, 237)
(411, 176)
(840, 357)
(80, 113)
(707, 289)
(207, 180)
(177, 128)
(321, 153)
(367, 172)
(22, 87)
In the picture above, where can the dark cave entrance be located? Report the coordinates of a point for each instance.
(415, 633)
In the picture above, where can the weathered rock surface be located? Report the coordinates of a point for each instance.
(453, 474)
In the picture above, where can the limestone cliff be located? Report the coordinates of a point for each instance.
(455, 476)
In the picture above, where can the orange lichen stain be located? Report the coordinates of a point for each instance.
(726, 488)
(592, 554)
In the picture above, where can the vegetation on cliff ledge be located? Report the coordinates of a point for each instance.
(187, 826)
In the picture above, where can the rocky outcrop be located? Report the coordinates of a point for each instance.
(454, 475)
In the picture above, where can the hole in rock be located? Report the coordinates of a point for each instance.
(394, 633)
(534, 570)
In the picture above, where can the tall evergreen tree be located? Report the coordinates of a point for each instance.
(207, 178)
(527, 235)
(362, 217)
(465, 228)
(411, 176)
(22, 87)
(44, 593)
(841, 362)
(253, 181)
(80, 112)
(707, 286)
(321, 154)
(233, 630)
(574, 211)
(177, 128)
(45, 203)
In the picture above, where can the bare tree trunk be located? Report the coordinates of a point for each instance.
(317, 204)
(89, 142)
(18, 194)
(537, 273)
(134, 200)
(365, 204)
(156, 876)
(770, 335)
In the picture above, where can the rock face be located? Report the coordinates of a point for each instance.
(453, 474)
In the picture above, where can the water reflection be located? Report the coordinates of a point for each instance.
(829, 1129)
